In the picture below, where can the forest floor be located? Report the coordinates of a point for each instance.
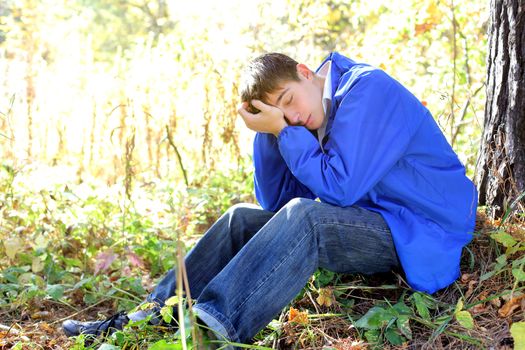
(75, 252)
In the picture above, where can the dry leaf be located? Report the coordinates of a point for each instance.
(471, 286)
(496, 302)
(510, 306)
(40, 315)
(104, 260)
(349, 344)
(46, 327)
(467, 277)
(326, 297)
(477, 309)
(483, 295)
(135, 260)
(297, 316)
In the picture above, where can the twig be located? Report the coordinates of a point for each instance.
(124, 292)
(182, 325)
(9, 329)
(464, 113)
(347, 287)
(454, 59)
(81, 311)
(172, 144)
(312, 300)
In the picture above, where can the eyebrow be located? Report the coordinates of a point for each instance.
(281, 96)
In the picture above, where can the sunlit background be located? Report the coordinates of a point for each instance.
(95, 87)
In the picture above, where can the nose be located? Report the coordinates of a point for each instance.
(294, 118)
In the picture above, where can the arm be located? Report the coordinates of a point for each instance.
(274, 183)
(373, 126)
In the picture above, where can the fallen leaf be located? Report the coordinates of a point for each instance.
(104, 261)
(496, 302)
(465, 319)
(471, 286)
(46, 327)
(510, 306)
(297, 316)
(40, 315)
(467, 277)
(135, 260)
(350, 344)
(483, 295)
(326, 297)
(479, 308)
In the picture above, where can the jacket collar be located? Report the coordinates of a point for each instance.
(340, 65)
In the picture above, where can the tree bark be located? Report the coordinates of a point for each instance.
(500, 173)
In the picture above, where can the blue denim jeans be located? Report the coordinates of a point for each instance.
(251, 263)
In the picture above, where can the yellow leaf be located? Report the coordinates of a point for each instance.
(517, 330)
(459, 305)
(13, 246)
(432, 10)
(172, 301)
(37, 264)
(465, 319)
(326, 297)
(297, 316)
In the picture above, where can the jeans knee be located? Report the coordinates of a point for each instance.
(238, 213)
(301, 208)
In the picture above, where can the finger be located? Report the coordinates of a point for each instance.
(242, 105)
(260, 105)
(244, 113)
(247, 117)
(242, 109)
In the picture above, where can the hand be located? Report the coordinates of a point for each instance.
(269, 120)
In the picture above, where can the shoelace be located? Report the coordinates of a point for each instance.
(111, 320)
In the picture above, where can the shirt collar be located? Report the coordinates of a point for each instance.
(325, 70)
(327, 90)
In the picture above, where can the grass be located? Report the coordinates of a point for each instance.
(89, 250)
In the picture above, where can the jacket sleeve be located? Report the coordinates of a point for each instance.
(372, 129)
(275, 185)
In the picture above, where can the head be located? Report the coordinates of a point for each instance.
(280, 81)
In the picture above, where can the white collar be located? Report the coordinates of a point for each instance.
(325, 70)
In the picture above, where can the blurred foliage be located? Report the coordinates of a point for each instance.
(90, 241)
(84, 76)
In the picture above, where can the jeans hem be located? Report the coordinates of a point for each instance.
(217, 323)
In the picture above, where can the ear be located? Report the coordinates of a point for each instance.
(304, 71)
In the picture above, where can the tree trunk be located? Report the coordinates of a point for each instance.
(501, 164)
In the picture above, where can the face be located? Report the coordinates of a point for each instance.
(300, 101)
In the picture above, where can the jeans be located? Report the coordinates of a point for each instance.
(251, 263)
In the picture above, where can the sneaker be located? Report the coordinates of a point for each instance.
(96, 328)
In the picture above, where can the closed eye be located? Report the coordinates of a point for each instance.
(290, 100)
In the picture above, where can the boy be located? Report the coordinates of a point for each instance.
(392, 194)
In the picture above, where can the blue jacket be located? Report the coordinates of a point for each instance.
(383, 152)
